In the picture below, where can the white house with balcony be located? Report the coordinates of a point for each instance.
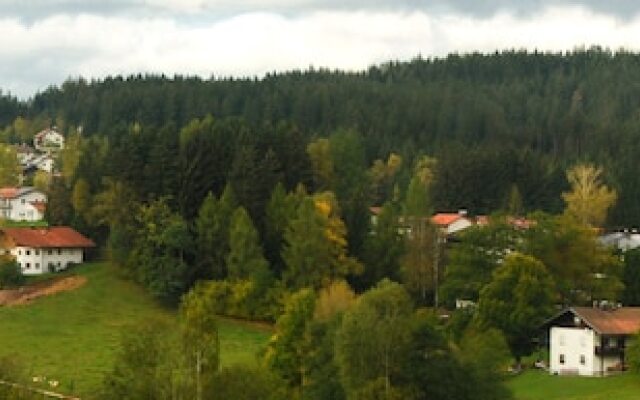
(22, 203)
(591, 341)
(41, 250)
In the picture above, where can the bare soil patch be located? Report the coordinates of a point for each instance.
(27, 294)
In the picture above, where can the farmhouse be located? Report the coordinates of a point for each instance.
(591, 341)
(41, 250)
(22, 203)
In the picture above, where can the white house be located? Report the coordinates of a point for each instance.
(41, 250)
(623, 241)
(451, 223)
(591, 341)
(48, 140)
(22, 203)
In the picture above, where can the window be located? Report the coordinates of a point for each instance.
(59, 251)
(37, 252)
(561, 340)
(49, 252)
(23, 201)
(583, 359)
(37, 265)
(561, 359)
(28, 265)
(28, 252)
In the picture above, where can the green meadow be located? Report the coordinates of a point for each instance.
(539, 385)
(73, 337)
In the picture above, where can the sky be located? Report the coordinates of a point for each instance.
(45, 42)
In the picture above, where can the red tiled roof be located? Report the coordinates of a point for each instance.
(39, 205)
(521, 223)
(58, 236)
(9, 192)
(375, 210)
(445, 219)
(619, 321)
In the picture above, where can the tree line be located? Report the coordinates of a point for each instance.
(520, 118)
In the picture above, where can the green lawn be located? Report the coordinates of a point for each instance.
(73, 336)
(538, 385)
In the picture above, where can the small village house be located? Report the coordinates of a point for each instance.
(591, 341)
(22, 203)
(41, 250)
(48, 140)
(451, 223)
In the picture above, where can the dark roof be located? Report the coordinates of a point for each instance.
(58, 236)
(614, 321)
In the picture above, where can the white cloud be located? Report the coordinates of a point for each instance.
(56, 47)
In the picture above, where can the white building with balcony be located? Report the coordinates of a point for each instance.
(591, 341)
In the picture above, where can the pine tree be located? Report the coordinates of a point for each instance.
(212, 234)
(245, 259)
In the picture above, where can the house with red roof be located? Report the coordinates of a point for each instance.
(41, 250)
(450, 223)
(591, 341)
(22, 203)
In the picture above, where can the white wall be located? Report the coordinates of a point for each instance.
(21, 209)
(572, 343)
(36, 261)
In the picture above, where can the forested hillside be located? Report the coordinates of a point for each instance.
(492, 120)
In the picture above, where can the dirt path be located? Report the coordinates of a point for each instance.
(26, 294)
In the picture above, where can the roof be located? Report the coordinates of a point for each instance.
(615, 321)
(375, 210)
(14, 192)
(445, 219)
(41, 206)
(58, 236)
(520, 223)
(621, 240)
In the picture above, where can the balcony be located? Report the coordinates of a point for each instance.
(607, 350)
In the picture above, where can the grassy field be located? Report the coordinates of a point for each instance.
(72, 337)
(538, 385)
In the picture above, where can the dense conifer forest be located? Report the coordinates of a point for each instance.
(491, 120)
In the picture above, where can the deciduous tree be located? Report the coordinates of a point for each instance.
(518, 299)
(589, 198)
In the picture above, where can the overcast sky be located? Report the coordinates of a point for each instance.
(44, 42)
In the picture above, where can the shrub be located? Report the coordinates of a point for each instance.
(10, 274)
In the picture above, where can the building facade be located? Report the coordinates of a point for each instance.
(42, 250)
(591, 341)
(22, 203)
